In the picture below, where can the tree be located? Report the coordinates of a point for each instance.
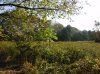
(97, 26)
(66, 34)
(57, 27)
(24, 28)
(85, 35)
(38, 8)
(42, 8)
(17, 26)
(70, 33)
(92, 35)
(97, 29)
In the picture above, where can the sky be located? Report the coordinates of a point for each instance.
(85, 20)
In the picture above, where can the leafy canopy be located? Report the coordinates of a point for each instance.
(42, 7)
(21, 27)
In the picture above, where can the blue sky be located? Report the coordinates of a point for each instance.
(85, 20)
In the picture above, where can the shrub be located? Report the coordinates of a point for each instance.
(28, 68)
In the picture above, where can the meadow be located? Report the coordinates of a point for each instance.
(81, 57)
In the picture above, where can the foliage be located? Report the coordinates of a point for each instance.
(15, 25)
(43, 7)
(70, 33)
(97, 29)
(18, 26)
(44, 34)
(28, 68)
(57, 58)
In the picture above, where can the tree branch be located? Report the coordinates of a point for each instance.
(19, 6)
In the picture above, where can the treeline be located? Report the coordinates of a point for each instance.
(70, 33)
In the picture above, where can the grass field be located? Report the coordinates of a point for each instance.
(51, 58)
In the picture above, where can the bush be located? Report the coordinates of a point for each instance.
(97, 40)
(8, 52)
(56, 58)
(28, 68)
(90, 66)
